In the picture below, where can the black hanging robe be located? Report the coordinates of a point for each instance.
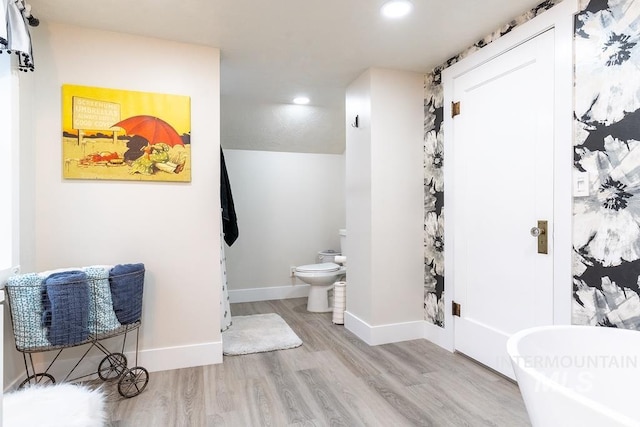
(229, 219)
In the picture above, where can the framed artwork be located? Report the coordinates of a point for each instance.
(125, 135)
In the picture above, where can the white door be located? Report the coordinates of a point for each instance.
(503, 184)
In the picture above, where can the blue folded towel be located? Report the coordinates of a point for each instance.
(127, 281)
(65, 300)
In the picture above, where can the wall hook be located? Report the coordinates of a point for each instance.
(355, 123)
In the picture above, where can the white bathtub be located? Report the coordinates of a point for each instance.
(578, 375)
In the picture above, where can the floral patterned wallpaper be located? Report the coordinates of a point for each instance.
(433, 201)
(606, 224)
(433, 172)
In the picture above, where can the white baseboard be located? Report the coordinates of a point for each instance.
(13, 384)
(383, 334)
(268, 294)
(358, 327)
(188, 356)
(439, 336)
(153, 360)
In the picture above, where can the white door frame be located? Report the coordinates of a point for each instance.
(560, 17)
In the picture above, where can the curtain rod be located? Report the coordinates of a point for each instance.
(33, 21)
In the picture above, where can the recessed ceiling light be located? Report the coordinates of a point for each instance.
(396, 8)
(301, 100)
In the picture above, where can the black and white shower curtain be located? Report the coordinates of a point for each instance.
(14, 31)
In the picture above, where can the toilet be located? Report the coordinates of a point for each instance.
(320, 278)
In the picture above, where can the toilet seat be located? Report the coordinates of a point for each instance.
(320, 278)
(325, 267)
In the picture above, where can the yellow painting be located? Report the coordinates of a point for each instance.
(125, 135)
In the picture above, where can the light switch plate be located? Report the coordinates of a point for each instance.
(581, 184)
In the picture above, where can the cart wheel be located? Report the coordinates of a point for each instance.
(112, 366)
(41, 378)
(133, 382)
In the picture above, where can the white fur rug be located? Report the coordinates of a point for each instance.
(258, 333)
(60, 405)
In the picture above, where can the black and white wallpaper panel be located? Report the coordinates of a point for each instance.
(606, 223)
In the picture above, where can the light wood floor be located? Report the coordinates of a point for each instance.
(333, 379)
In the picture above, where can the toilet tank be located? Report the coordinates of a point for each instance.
(343, 241)
(327, 256)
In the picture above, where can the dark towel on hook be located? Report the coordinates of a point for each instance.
(229, 219)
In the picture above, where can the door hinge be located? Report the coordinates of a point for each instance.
(455, 308)
(455, 108)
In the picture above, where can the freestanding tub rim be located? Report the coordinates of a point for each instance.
(517, 358)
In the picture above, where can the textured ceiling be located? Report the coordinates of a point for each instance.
(274, 50)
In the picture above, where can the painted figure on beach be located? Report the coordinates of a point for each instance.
(159, 157)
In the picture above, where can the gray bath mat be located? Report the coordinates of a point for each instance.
(258, 333)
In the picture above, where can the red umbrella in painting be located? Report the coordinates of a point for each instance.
(151, 128)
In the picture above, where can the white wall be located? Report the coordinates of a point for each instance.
(397, 195)
(22, 91)
(172, 227)
(358, 192)
(9, 135)
(384, 205)
(289, 206)
(248, 124)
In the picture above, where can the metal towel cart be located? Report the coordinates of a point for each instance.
(54, 318)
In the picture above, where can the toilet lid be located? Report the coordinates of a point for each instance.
(325, 267)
